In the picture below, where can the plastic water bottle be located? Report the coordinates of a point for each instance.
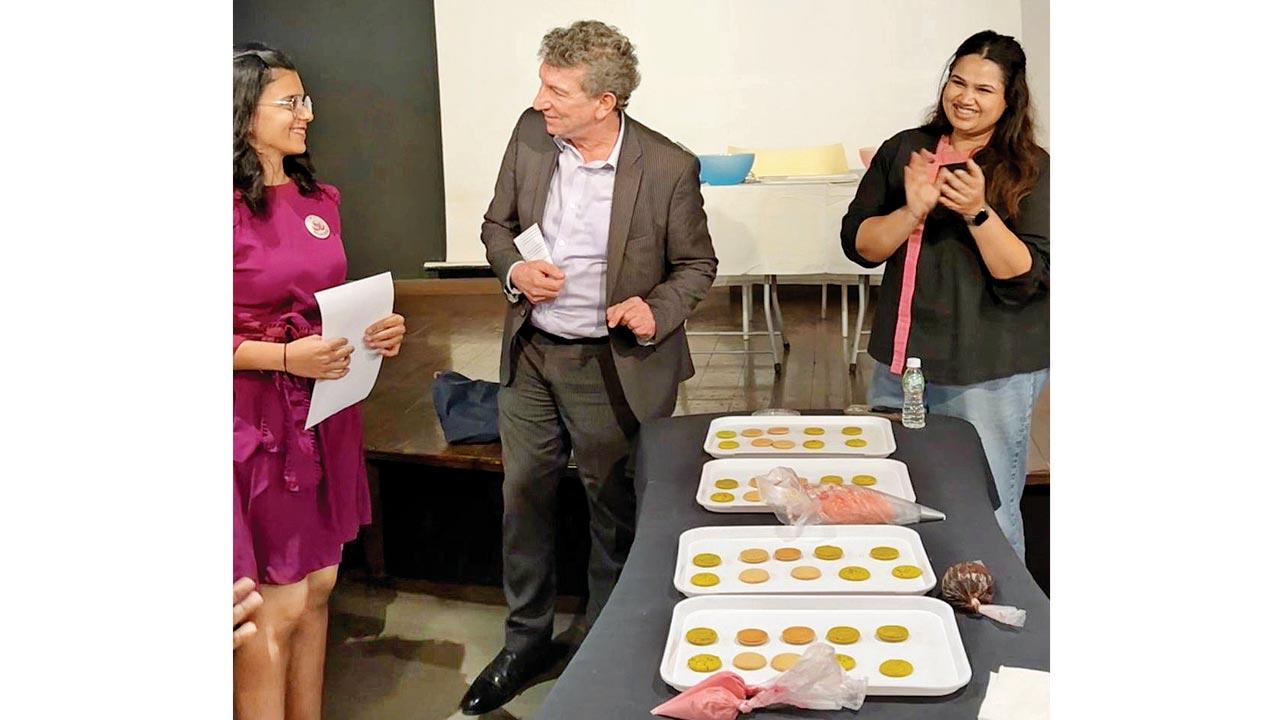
(913, 395)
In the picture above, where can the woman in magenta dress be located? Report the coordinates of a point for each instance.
(299, 494)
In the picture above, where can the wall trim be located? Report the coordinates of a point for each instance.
(448, 286)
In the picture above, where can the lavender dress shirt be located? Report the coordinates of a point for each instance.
(575, 225)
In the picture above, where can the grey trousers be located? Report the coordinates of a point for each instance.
(562, 395)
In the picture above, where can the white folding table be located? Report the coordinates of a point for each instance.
(767, 232)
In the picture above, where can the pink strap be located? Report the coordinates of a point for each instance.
(942, 155)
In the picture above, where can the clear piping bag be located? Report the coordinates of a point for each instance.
(797, 502)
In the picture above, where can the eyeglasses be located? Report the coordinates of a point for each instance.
(294, 103)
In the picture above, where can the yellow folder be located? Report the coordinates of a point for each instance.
(791, 162)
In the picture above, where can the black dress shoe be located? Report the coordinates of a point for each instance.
(504, 677)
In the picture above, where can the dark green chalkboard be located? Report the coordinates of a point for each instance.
(370, 67)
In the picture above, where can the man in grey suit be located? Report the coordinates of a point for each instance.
(594, 341)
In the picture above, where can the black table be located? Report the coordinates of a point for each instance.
(615, 672)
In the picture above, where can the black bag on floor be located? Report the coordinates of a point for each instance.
(468, 409)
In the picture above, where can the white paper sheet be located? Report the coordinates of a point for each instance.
(1016, 694)
(532, 245)
(347, 311)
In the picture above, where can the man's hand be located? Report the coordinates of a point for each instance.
(539, 280)
(635, 315)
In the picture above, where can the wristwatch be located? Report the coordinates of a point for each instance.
(978, 218)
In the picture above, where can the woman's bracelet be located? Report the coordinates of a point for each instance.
(284, 352)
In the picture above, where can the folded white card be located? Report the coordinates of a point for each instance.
(532, 245)
(1016, 694)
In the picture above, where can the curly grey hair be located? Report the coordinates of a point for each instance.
(609, 56)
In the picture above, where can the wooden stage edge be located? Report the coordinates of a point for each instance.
(465, 592)
(482, 463)
(448, 286)
(485, 458)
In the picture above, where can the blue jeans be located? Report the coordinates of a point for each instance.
(1001, 411)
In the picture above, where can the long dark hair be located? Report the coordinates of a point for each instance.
(1009, 159)
(253, 65)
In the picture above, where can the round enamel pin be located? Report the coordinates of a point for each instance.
(317, 226)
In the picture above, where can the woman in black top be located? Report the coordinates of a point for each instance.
(959, 210)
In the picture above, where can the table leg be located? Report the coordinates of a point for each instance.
(768, 320)
(746, 312)
(864, 290)
(823, 314)
(777, 308)
(844, 311)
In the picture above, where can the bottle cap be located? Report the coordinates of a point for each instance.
(913, 363)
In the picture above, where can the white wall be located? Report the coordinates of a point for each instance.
(713, 73)
(1035, 41)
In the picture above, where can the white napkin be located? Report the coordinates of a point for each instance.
(1016, 694)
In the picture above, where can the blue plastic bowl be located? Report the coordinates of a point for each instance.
(725, 169)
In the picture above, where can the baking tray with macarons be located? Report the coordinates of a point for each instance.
(903, 645)
(815, 559)
(800, 436)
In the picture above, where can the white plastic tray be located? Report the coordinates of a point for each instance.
(934, 648)
(855, 540)
(877, 431)
(891, 478)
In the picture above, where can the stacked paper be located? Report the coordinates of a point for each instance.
(1016, 694)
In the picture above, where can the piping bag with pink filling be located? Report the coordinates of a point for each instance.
(815, 682)
(797, 502)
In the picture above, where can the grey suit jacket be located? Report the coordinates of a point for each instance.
(659, 249)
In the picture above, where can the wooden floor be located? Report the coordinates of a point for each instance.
(462, 331)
